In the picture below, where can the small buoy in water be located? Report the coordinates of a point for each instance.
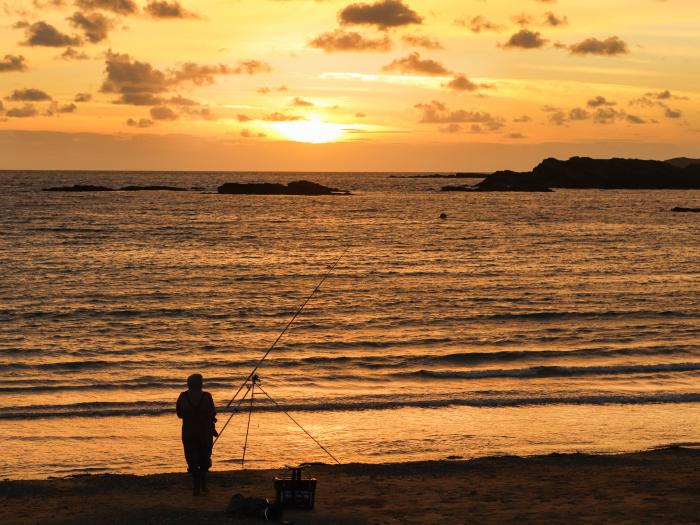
(443, 216)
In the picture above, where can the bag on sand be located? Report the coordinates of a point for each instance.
(254, 508)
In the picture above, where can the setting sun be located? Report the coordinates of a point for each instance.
(309, 131)
(426, 85)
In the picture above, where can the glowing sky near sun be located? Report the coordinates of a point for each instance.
(246, 79)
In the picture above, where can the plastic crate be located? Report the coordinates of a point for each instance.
(295, 492)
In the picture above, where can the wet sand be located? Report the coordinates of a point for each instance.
(649, 487)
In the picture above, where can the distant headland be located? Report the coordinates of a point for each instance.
(588, 173)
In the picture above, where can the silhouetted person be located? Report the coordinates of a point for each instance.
(196, 409)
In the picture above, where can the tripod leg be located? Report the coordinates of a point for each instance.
(247, 430)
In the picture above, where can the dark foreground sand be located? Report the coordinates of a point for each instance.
(652, 487)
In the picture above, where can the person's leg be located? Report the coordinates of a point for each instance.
(205, 459)
(203, 481)
(196, 482)
(193, 462)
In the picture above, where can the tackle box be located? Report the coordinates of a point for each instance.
(294, 491)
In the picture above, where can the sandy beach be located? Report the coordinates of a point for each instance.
(648, 487)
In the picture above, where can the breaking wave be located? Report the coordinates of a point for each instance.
(551, 371)
(145, 408)
(363, 361)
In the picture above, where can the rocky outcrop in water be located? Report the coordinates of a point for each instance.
(587, 173)
(89, 188)
(584, 172)
(505, 181)
(152, 188)
(512, 181)
(80, 188)
(301, 187)
(682, 162)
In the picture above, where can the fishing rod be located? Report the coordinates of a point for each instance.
(255, 383)
(297, 424)
(235, 409)
(260, 361)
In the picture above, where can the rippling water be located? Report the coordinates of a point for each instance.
(523, 323)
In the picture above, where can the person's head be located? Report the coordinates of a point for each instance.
(195, 381)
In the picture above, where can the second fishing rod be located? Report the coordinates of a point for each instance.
(245, 384)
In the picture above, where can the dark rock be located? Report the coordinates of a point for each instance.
(587, 173)
(252, 188)
(512, 181)
(152, 188)
(88, 187)
(682, 162)
(686, 210)
(504, 181)
(301, 187)
(584, 172)
(79, 188)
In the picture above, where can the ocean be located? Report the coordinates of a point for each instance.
(523, 323)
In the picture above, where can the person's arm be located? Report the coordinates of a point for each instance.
(178, 406)
(212, 407)
(213, 416)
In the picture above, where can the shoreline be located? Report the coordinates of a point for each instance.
(225, 467)
(656, 486)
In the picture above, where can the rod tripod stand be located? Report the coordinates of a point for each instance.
(251, 388)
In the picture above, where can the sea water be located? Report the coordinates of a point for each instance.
(523, 323)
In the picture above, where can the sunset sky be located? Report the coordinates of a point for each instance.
(336, 85)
